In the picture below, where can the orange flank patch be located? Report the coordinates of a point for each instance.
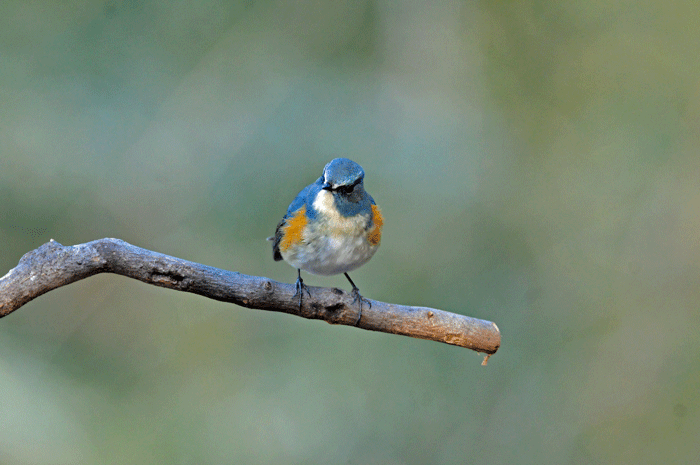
(293, 229)
(375, 234)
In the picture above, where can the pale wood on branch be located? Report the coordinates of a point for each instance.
(53, 265)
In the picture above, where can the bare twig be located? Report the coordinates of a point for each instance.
(53, 265)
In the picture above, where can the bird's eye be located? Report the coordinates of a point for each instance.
(346, 189)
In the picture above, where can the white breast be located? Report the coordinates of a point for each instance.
(336, 244)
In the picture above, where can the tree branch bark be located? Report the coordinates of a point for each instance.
(53, 265)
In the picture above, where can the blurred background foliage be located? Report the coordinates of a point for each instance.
(537, 163)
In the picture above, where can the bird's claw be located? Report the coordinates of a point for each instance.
(357, 296)
(300, 288)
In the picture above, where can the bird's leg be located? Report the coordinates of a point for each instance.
(300, 287)
(356, 294)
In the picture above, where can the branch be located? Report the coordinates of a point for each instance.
(53, 265)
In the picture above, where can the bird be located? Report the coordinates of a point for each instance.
(332, 226)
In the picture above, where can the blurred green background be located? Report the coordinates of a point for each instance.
(537, 164)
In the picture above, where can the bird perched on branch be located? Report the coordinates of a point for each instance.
(332, 226)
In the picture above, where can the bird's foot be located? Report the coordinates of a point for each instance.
(300, 288)
(357, 296)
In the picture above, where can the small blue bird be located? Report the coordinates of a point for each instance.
(332, 226)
